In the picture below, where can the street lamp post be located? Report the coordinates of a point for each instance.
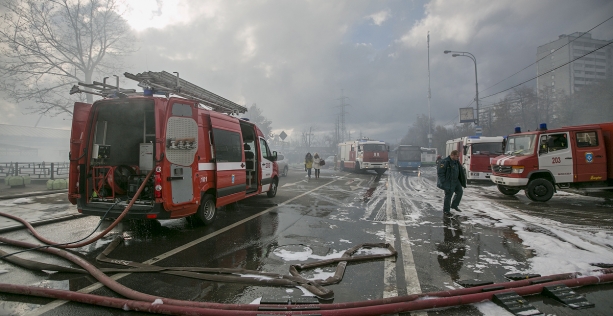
(471, 56)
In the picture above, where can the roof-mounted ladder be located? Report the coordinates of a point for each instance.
(164, 82)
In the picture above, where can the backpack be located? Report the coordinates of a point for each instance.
(322, 162)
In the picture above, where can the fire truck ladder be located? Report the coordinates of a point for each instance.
(164, 82)
(103, 89)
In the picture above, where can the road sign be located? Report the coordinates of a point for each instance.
(283, 135)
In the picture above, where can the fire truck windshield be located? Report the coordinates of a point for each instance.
(521, 145)
(486, 148)
(373, 147)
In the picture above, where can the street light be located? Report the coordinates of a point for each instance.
(471, 56)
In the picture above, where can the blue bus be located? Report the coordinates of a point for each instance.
(407, 157)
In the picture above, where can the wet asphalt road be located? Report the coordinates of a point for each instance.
(317, 218)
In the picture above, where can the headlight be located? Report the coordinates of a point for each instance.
(517, 169)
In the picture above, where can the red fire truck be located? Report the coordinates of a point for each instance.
(363, 154)
(201, 157)
(569, 157)
(475, 153)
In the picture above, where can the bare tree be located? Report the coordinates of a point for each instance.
(256, 115)
(49, 45)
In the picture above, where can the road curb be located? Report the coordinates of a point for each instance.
(40, 222)
(38, 193)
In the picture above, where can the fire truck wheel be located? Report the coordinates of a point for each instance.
(507, 191)
(273, 188)
(207, 210)
(539, 190)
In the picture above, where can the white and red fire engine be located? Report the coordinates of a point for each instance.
(201, 157)
(475, 153)
(569, 157)
(363, 154)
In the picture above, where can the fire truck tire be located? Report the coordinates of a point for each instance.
(272, 192)
(507, 191)
(539, 190)
(207, 211)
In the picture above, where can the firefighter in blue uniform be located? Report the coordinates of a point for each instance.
(451, 177)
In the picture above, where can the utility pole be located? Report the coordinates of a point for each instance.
(429, 95)
(343, 130)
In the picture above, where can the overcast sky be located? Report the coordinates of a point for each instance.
(293, 58)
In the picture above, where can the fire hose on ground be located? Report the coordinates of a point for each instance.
(149, 303)
(144, 302)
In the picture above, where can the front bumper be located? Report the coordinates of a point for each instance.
(484, 176)
(374, 165)
(511, 182)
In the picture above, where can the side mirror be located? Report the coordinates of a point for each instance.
(504, 145)
(465, 149)
(273, 157)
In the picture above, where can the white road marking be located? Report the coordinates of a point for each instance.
(410, 273)
(95, 286)
(389, 268)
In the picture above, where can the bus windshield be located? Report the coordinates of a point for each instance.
(521, 145)
(411, 154)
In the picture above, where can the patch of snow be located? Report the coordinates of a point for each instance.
(491, 309)
(125, 307)
(304, 255)
(320, 274)
(22, 200)
(345, 241)
(256, 301)
(372, 251)
(289, 291)
(4, 271)
(157, 302)
(305, 292)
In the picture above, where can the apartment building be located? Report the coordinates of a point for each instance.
(583, 71)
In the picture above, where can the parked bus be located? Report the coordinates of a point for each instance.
(428, 156)
(407, 157)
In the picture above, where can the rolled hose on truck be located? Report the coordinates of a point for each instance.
(89, 241)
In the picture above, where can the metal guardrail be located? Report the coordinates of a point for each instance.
(36, 170)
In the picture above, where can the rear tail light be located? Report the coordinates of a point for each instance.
(158, 182)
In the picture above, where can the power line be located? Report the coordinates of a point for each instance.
(547, 55)
(517, 85)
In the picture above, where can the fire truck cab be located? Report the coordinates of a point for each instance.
(363, 154)
(475, 154)
(578, 157)
(200, 157)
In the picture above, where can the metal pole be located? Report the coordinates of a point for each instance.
(429, 95)
(471, 56)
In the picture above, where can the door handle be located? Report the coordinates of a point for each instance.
(599, 156)
(568, 158)
(174, 178)
(263, 164)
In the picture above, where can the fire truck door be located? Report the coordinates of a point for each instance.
(181, 147)
(558, 156)
(230, 171)
(266, 165)
(78, 140)
(591, 163)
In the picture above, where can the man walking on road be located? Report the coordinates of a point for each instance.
(451, 177)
